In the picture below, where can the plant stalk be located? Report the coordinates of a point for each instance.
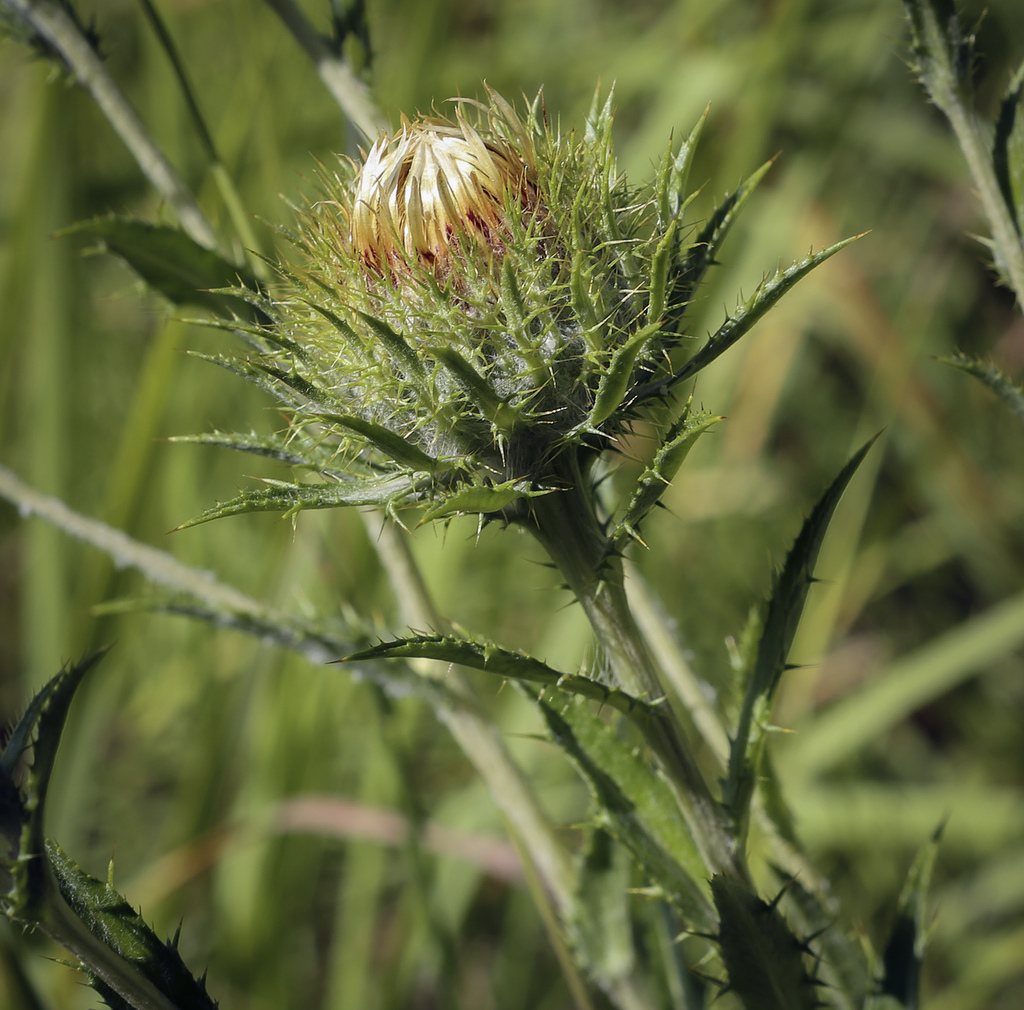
(351, 94)
(944, 88)
(55, 25)
(566, 524)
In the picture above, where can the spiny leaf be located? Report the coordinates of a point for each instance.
(780, 623)
(765, 961)
(23, 807)
(941, 52)
(476, 388)
(319, 641)
(1007, 390)
(398, 349)
(673, 175)
(249, 371)
(170, 262)
(905, 950)
(352, 341)
(514, 665)
(844, 965)
(659, 274)
(635, 805)
(481, 498)
(388, 491)
(737, 325)
(655, 480)
(689, 272)
(116, 924)
(285, 449)
(50, 717)
(611, 390)
(321, 399)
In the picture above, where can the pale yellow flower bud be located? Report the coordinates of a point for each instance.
(422, 193)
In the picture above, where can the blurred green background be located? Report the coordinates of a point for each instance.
(188, 742)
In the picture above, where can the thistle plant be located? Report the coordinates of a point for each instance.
(481, 316)
(481, 312)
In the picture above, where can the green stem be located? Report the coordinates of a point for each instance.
(943, 84)
(567, 526)
(221, 177)
(351, 94)
(979, 161)
(55, 25)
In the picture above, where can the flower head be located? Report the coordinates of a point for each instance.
(433, 185)
(481, 309)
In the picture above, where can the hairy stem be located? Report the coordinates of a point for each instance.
(55, 25)
(351, 94)
(941, 78)
(567, 526)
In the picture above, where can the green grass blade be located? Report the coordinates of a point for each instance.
(903, 687)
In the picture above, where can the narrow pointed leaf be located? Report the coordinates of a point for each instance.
(320, 398)
(398, 349)
(1007, 390)
(290, 499)
(114, 923)
(51, 717)
(611, 390)
(476, 388)
(688, 274)
(659, 274)
(389, 442)
(905, 950)
(942, 54)
(781, 619)
(737, 325)
(249, 371)
(601, 931)
(655, 480)
(24, 806)
(284, 449)
(674, 199)
(352, 340)
(844, 965)
(481, 498)
(506, 663)
(1008, 149)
